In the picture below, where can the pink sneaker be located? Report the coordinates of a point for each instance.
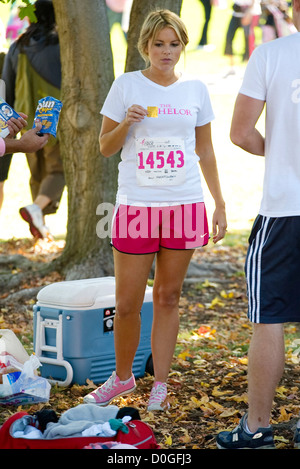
(111, 389)
(158, 396)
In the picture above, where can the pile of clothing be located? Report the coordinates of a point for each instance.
(83, 420)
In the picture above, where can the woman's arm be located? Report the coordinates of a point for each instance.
(113, 134)
(204, 149)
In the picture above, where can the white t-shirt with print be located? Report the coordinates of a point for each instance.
(273, 75)
(179, 108)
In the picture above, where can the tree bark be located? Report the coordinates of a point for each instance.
(139, 11)
(87, 74)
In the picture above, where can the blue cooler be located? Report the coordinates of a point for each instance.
(73, 331)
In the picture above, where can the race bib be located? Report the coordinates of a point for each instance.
(160, 161)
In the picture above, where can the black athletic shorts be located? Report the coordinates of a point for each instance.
(273, 270)
(4, 167)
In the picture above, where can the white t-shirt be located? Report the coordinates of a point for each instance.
(179, 108)
(273, 75)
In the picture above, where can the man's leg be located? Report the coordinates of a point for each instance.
(265, 368)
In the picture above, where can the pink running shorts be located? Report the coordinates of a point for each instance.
(143, 230)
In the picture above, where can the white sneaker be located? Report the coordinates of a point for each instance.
(34, 216)
(158, 397)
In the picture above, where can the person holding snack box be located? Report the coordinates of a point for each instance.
(32, 71)
(28, 143)
(161, 121)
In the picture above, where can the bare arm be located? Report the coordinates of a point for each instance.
(243, 132)
(30, 142)
(208, 164)
(113, 134)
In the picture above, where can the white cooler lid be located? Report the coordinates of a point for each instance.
(82, 294)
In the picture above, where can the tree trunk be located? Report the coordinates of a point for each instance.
(87, 74)
(139, 11)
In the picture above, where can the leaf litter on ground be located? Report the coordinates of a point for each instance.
(208, 378)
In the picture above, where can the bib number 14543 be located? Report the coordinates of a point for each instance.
(160, 161)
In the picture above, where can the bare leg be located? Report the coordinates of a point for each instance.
(266, 364)
(42, 201)
(171, 267)
(131, 272)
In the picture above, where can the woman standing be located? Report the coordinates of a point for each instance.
(161, 121)
(207, 5)
(240, 11)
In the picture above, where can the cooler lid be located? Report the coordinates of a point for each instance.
(82, 294)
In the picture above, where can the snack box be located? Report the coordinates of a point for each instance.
(6, 112)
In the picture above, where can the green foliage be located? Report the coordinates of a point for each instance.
(26, 10)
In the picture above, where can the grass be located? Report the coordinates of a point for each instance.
(240, 173)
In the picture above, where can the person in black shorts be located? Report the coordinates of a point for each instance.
(273, 258)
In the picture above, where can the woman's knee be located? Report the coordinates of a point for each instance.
(126, 309)
(167, 298)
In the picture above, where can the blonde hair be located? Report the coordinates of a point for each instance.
(154, 23)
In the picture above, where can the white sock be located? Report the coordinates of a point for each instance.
(246, 428)
(125, 382)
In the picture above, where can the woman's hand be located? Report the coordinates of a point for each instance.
(219, 224)
(135, 113)
(113, 134)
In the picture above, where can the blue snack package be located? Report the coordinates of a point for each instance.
(6, 112)
(47, 113)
